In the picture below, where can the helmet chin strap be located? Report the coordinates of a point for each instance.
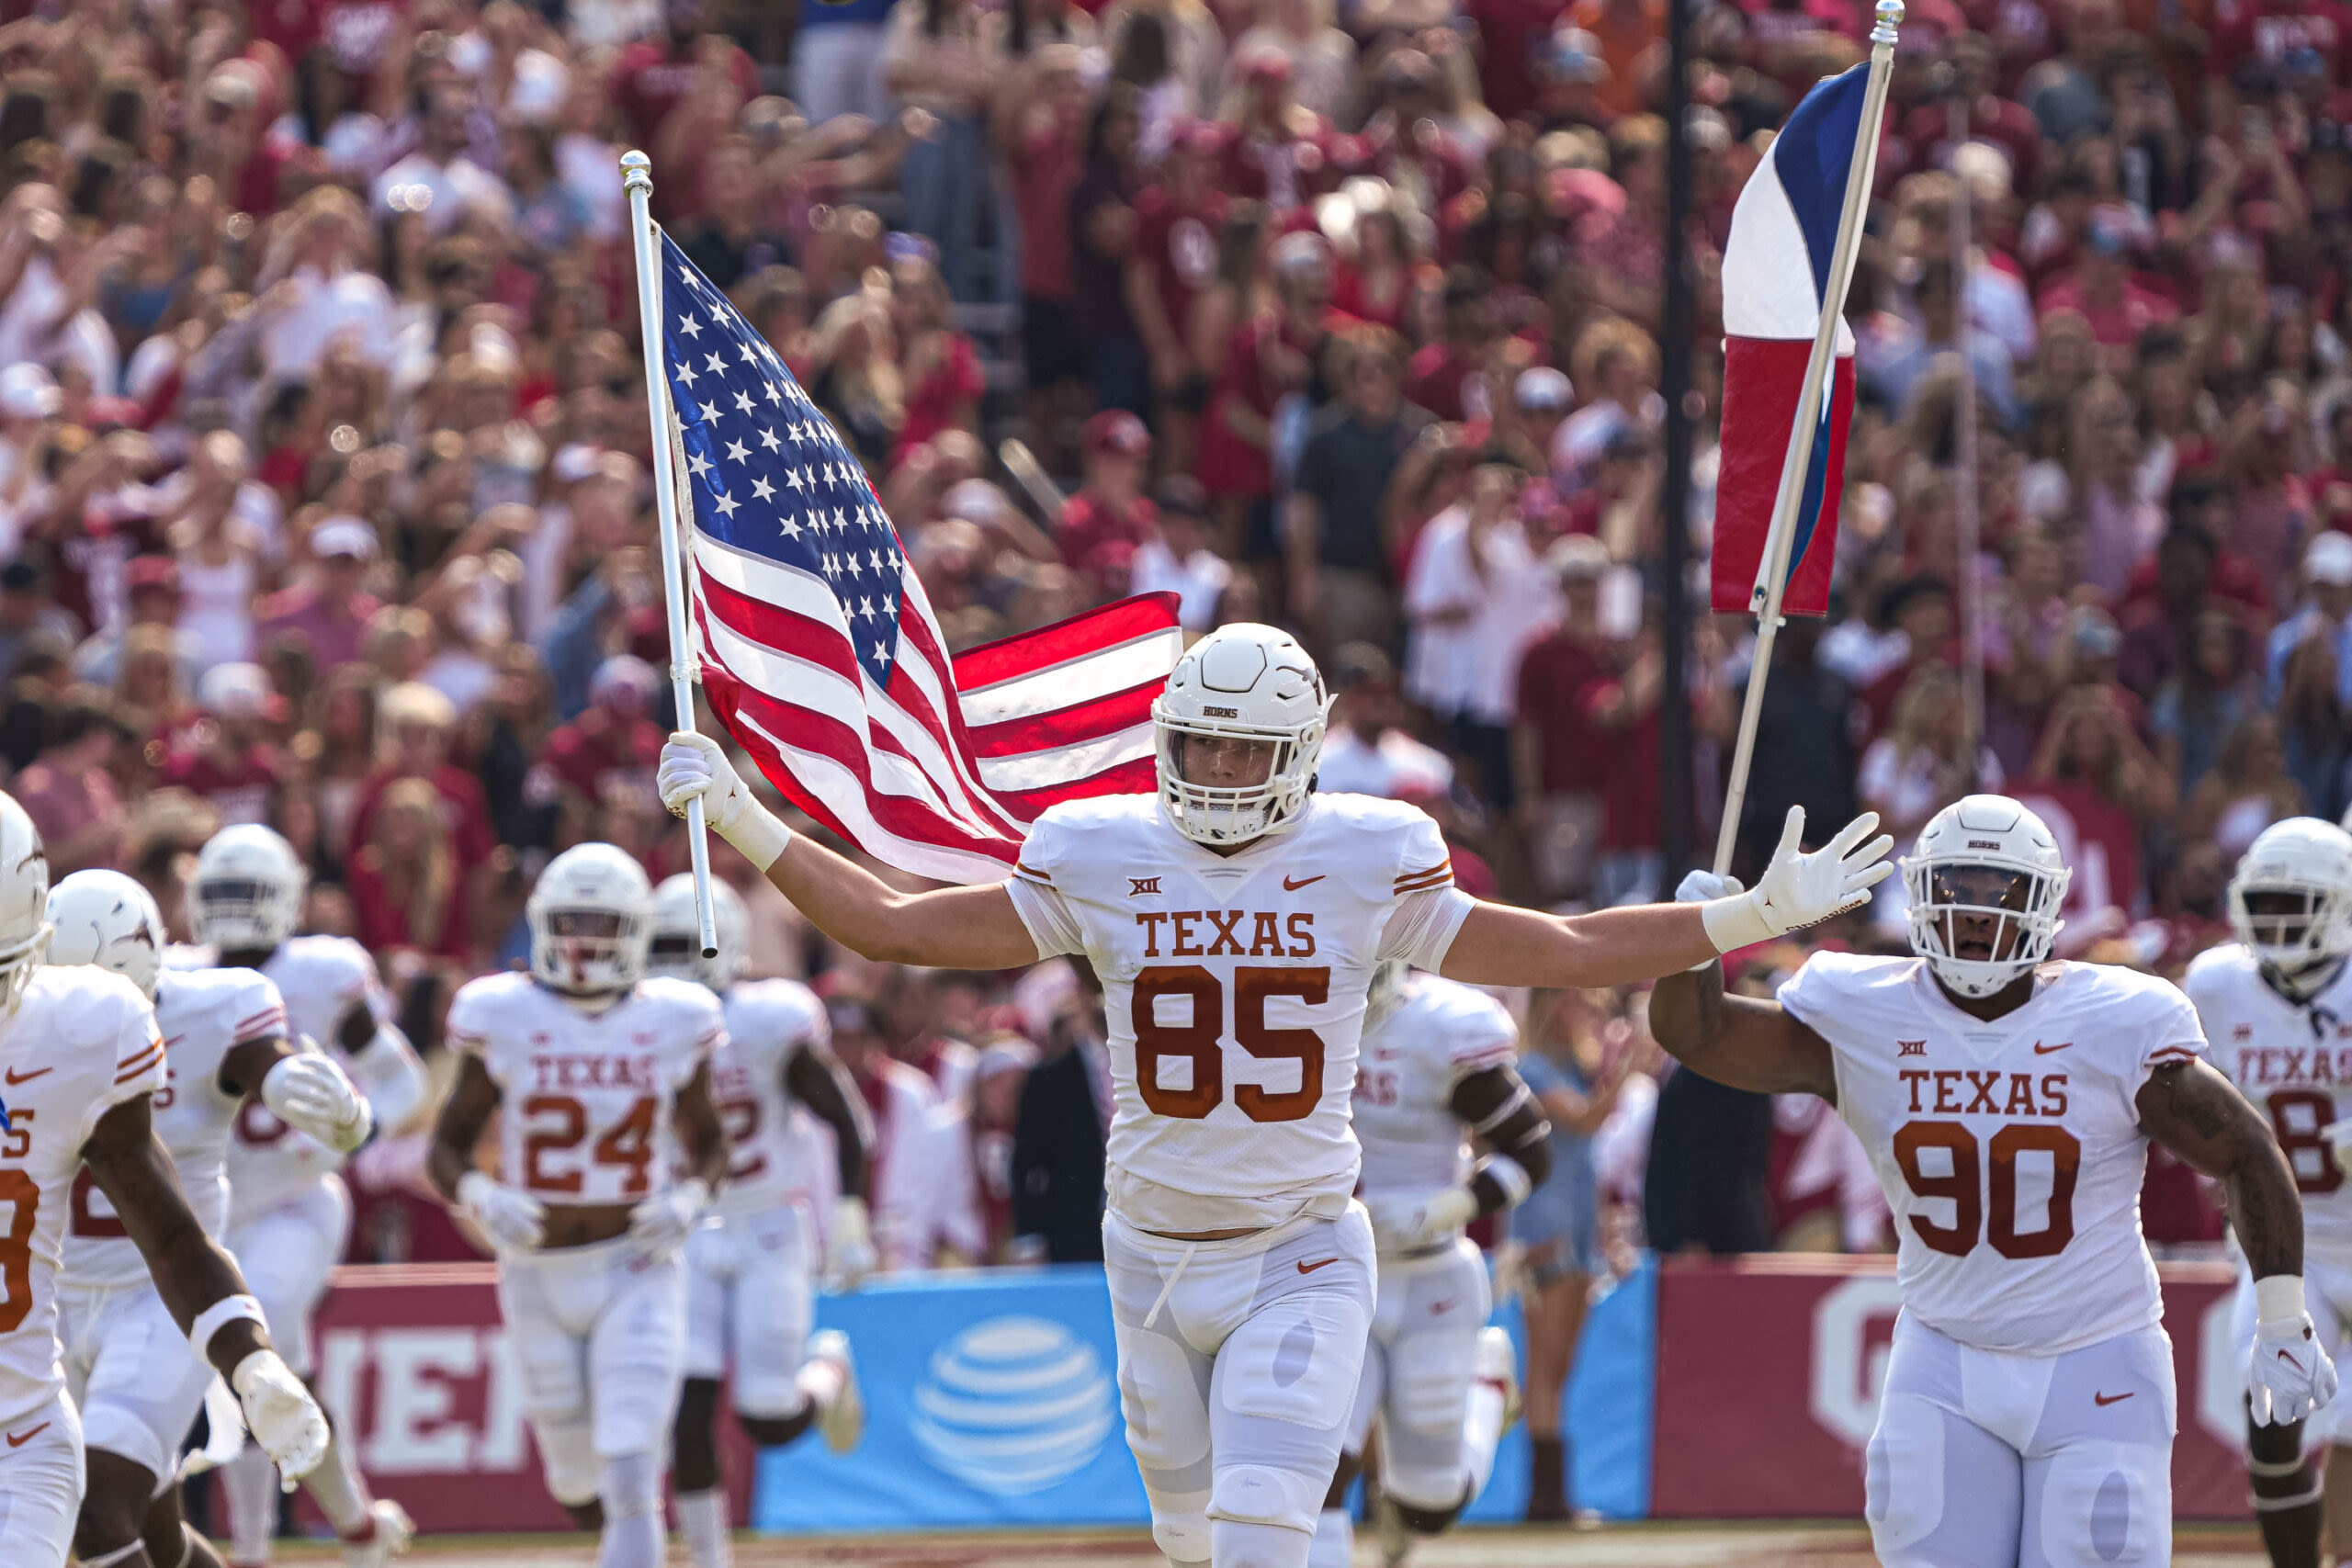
(2301, 985)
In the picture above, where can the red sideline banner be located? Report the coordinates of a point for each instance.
(1769, 1371)
(414, 1365)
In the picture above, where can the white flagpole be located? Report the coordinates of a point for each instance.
(637, 178)
(1965, 504)
(1819, 367)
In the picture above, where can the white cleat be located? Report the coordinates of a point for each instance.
(840, 1421)
(1395, 1541)
(390, 1531)
(1497, 1363)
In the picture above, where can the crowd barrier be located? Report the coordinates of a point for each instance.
(1703, 1390)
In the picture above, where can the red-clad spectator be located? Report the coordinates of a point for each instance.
(654, 76)
(325, 611)
(1560, 756)
(610, 749)
(69, 790)
(1046, 145)
(2095, 782)
(1271, 357)
(1449, 377)
(1514, 44)
(939, 365)
(407, 884)
(1103, 525)
(1279, 152)
(2119, 306)
(418, 724)
(1175, 258)
(2274, 32)
(1406, 141)
(1375, 280)
(225, 757)
(2005, 124)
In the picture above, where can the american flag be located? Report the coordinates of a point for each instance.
(820, 652)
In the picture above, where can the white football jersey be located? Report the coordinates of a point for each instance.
(2011, 1151)
(82, 1041)
(767, 1021)
(204, 1014)
(1234, 987)
(584, 1114)
(320, 978)
(1437, 1033)
(2295, 1062)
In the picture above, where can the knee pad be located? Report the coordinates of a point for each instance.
(118, 1431)
(567, 1455)
(1902, 1483)
(2107, 1503)
(630, 1485)
(1430, 1521)
(769, 1395)
(1260, 1493)
(1246, 1543)
(1180, 1526)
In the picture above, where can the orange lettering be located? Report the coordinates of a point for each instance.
(1302, 930)
(1183, 946)
(1226, 942)
(1149, 920)
(1265, 936)
(1947, 1099)
(2053, 1089)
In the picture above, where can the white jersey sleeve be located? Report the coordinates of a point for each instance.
(205, 1014)
(81, 1042)
(2010, 1150)
(1436, 1034)
(2293, 1060)
(767, 1021)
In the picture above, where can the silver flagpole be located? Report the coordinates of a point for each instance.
(637, 178)
(1965, 504)
(1774, 575)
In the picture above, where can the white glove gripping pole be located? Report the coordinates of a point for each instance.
(1819, 367)
(636, 179)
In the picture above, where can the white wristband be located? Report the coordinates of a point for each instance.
(758, 835)
(1510, 1175)
(2278, 1298)
(1736, 922)
(219, 1315)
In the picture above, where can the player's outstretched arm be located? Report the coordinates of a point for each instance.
(1738, 1042)
(952, 928)
(815, 1077)
(510, 1218)
(201, 1286)
(2200, 1116)
(1498, 945)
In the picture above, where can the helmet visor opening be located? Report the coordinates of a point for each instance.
(2281, 917)
(590, 925)
(673, 946)
(231, 892)
(1977, 910)
(1213, 760)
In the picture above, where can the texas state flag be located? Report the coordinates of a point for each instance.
(1776, 274)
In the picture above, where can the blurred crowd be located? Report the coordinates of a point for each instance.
(324, 497)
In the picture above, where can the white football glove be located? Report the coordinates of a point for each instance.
(850, 1247)
(514, 1220)
(311, 1093)
(286, 1421)
(1403, 1221)
(2290, 1376)
(694, 767)
(665, 1219)
(1799, 889)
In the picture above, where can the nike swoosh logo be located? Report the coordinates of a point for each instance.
(2106, 1399)
(1290, 886)
(1310, 1268)
(19, 1440)
(2041, 1050)
(15, 1076)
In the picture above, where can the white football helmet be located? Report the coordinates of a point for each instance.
(1249, 683)
(24, 902)
(677, 934)
(592, 920)
(2301, 871)
(2010, 907)
(247, 895)
(110, 919)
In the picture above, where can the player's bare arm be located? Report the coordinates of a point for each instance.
(815, 1077)
(2199, 1115)
(200, 1285)
(1502, 1113)
(509, 1217)
(700, 1134)
(1738, 1042)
